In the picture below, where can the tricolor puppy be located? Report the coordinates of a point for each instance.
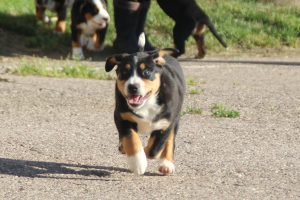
(58, 6)
(89, 25)
(149, 94)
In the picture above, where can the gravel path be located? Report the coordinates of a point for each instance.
(58, 139)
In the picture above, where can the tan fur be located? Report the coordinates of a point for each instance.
(169, 147)
(132, 144)
(60, 26)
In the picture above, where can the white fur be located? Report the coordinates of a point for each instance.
(102, 12)
(142, 41)
(167, 164)
(137, 163)
(77, 53)
(148, 112)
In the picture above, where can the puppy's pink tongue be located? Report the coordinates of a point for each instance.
(134, 99)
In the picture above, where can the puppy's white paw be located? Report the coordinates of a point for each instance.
(77, 53)
(138, 163)
(166, 167)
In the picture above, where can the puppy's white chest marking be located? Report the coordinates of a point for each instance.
(87, 29)
(148, 112)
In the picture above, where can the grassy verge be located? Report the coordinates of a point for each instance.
(77, 70)
(244, 24)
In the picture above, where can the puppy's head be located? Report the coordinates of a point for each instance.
(95, 13)
(138, 74)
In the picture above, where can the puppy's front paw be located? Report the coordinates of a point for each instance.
(138, 163)
(166, 167)
(77, 53)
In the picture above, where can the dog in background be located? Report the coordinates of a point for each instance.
(58, 6)
(189, 19)
(149, 95)
(89, 25)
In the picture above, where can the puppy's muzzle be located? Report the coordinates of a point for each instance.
(133, 89)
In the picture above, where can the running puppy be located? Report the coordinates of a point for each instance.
(89, 25)
(58, 6)
(149, 94)
(189, 19)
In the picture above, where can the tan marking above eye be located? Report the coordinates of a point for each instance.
(127, 66)
(142, 66)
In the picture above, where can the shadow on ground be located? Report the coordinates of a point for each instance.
(251, 62)
(53, 170)
(38, 169)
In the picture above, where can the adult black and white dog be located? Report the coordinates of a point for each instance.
(58, 6)
(149, 93)
(89, 25)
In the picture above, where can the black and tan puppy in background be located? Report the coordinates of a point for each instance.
(149, 94)
(58, 6)
(89, 25)
(189, 19)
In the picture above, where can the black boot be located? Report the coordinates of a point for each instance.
(130, 19)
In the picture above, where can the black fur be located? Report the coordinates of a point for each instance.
(186, 14)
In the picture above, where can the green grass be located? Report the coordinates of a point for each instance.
(191, 82)
(244, 24)
(196, 91)
(219, 110)
(192, 111)
(78, 70)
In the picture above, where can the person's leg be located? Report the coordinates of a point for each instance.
(130, 19)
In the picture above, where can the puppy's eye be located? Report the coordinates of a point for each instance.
(146, 73)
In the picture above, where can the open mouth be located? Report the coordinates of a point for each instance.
(137, 100)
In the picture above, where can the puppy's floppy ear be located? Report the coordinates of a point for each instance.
(159, 54)
(113, 61)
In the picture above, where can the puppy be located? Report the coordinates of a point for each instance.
(189, 19)
(58, 6)
(149, 94)
(89, 25)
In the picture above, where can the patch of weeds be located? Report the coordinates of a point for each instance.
(192, 111)
(196, 91)
(191, 82)
(77, 71)
(219, 110)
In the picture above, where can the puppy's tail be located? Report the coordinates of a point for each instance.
(142, 41)
(202, 18)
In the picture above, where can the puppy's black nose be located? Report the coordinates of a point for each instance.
(133, 88)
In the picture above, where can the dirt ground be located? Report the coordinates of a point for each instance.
(58, 139)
